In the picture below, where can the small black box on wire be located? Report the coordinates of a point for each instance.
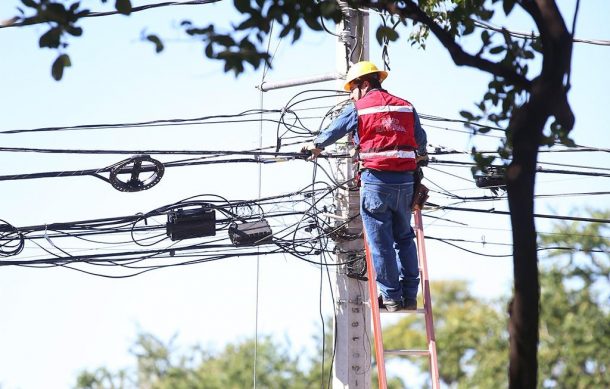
(191, 223)
(250, 233)
(356, 267)
(490, 181)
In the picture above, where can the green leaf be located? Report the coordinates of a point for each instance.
(296, 34)
(74, 31)
(56, 12)
(385, 32)
(246, 24)
(497, 49)
(57, 70)
(329, 8)
(569, 142)
(51, 38)
(29, 3)
(508, 6)
(485, 37)
(285, 31)
(253, 60)
(275, 12)
(528, 54)
(123, 6)
(245, 44)
(468, 27)
(157, 42)
(466, 115)
(242, 6)
(312, 22)
(209, 51)
(225, 40)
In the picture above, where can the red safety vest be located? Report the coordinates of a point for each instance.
(386, 131)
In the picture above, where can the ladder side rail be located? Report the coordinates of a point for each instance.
(377, 336)
(421, 254)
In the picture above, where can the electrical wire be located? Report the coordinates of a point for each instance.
(129, 224)
(210, 119)
(21, 22)
(531, 35)
(449, 241)
(536, 215)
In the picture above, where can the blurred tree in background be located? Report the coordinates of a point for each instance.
(471, 334)
(574, 349)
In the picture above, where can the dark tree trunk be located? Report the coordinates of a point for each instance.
(547, 98)
(527, 126)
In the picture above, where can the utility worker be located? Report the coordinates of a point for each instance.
(390, 142)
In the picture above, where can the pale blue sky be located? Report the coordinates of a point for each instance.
(55, 322)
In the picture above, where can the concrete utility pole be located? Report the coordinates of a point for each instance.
(352, 364)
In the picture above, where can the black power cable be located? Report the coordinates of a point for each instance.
(21, 22)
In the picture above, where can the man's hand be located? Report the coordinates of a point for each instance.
(311, 149)
(422, 160)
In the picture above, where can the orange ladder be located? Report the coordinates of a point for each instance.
(427, 311)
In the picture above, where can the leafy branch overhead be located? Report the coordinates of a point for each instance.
(506, 59)
(245, 43)
(62, 19)
(528, 88)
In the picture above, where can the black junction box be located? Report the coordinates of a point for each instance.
(250, 233)
(191, 223)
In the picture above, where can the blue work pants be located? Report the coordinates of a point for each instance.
(385, 208)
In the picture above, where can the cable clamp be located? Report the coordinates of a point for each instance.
(134, 167)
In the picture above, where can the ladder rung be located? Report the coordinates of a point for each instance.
(407, 352)
(383, 310)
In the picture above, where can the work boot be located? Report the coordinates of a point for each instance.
(409, 304)
(389, 305)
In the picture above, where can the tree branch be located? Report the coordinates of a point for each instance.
(460, 57)
(557, 54)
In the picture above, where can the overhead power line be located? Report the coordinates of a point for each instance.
(142, 163)
(19, 22)
(297, 127)
(539, 169)
(288, 117)
(208, 119)
(297, 230)
(537, 215)
(450, 242)
(531, 35)
(149, 123)
(160, 152)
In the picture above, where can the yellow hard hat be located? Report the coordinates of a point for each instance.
(360, 69)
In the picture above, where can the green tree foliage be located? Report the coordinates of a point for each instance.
(574, 350)
(161, 366)
(575, 338)
(574, 333)
(471, 337)
(586, 257)
(518, 98)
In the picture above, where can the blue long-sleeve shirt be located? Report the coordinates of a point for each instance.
(347, 122)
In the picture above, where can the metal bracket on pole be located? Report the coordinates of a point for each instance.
(267, 86)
